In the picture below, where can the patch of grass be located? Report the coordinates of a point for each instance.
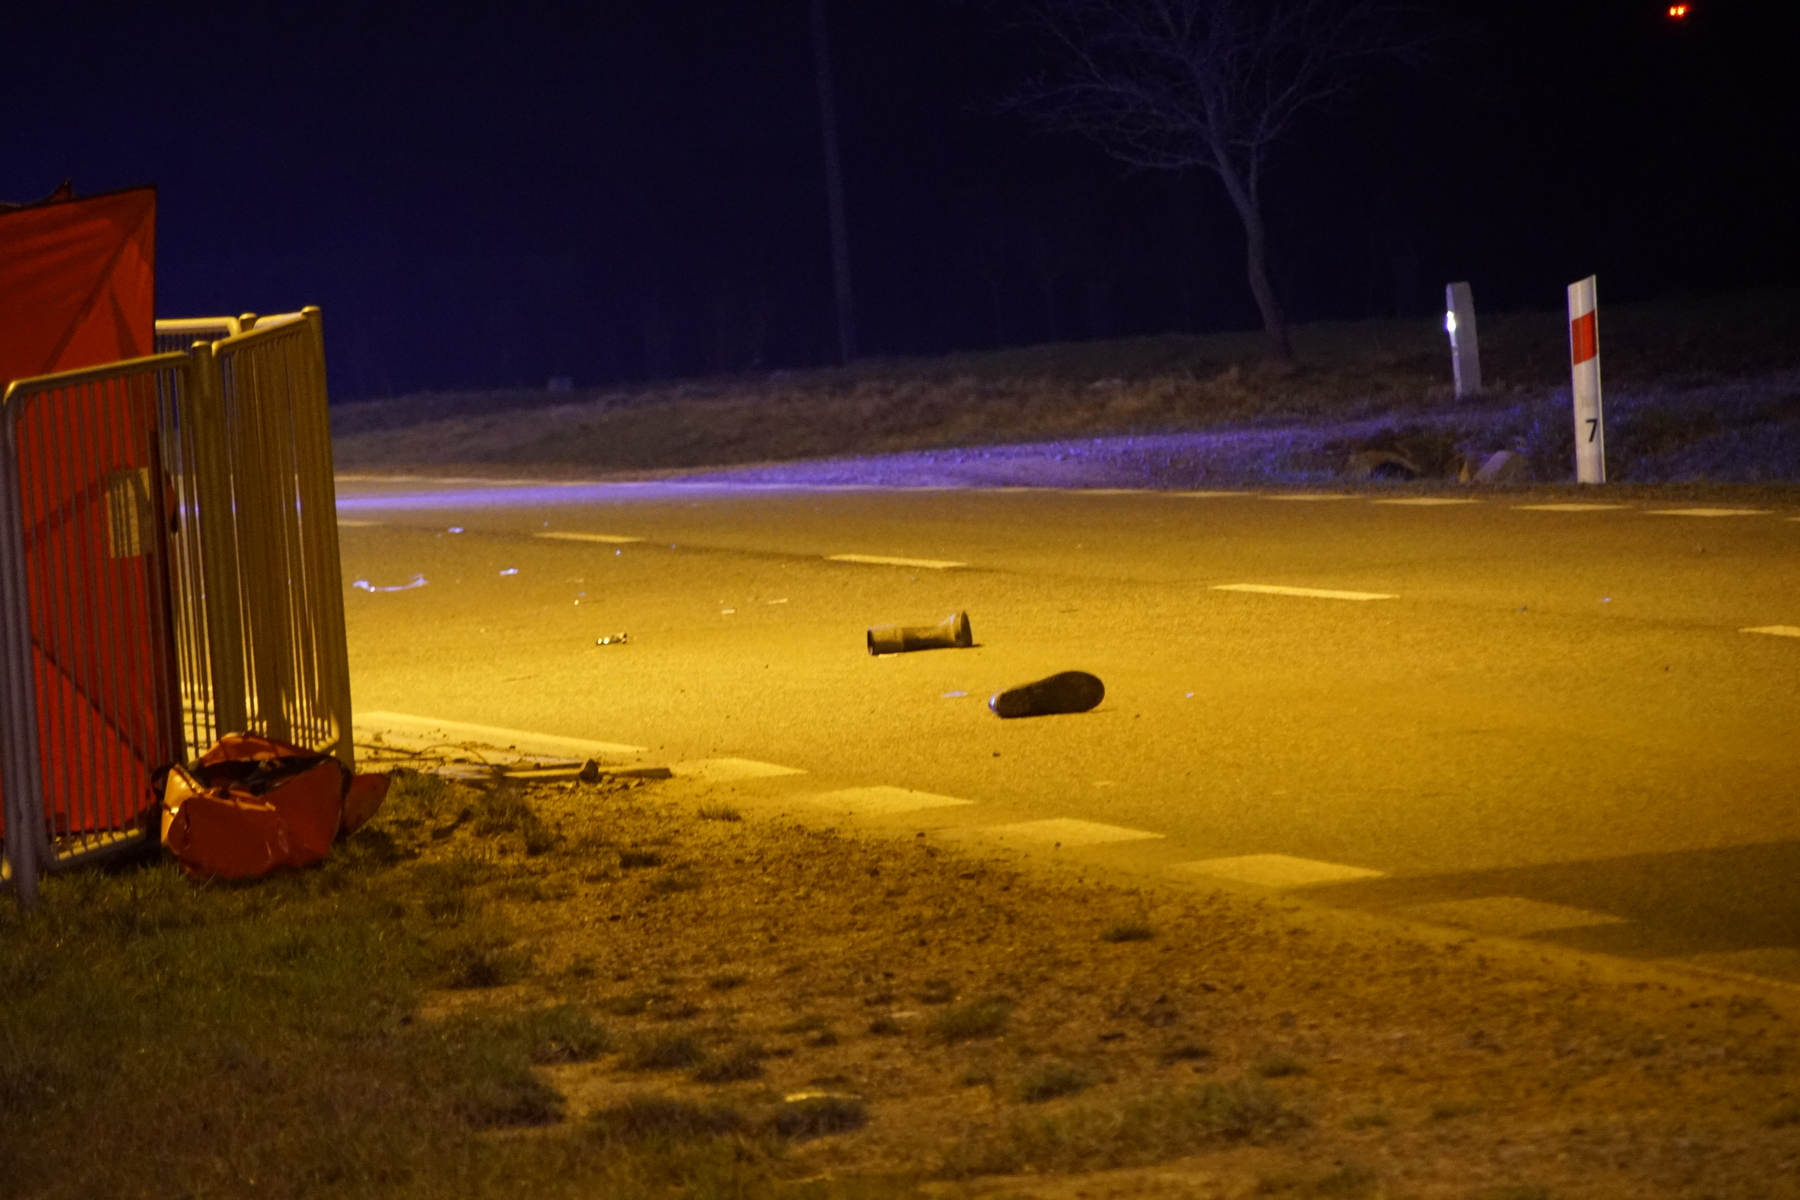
(817, 1029)
(563, 1034)
(443, 887)
(1785, 1117)
(505, 810)
(1276, 1065)
(968, 1022)
(1047, 1081)
(741, 1062)
(1351, 1181)
(937, 991)
(1184, 1052)
(480, 959)
(1127, 933)
(820, 1116)
(719, 812)
(634, 860)
(1370, 1118)
(673, 1051)
(670, 882)
(663, 1119)
(1136, 1132)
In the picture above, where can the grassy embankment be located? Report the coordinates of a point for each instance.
(1696, 389)
(621, 992)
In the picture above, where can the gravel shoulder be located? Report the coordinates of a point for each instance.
(1014, 1028)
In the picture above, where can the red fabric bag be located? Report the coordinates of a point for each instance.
(251, 805)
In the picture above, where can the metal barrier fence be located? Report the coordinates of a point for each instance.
(178, 336)
(168, 573)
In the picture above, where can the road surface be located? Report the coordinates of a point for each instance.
(1574, 721)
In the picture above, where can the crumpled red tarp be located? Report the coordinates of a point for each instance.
(251, 805)
(77, 282)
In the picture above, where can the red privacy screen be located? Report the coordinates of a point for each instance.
(77, 282)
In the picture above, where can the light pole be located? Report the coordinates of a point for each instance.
(834, 188)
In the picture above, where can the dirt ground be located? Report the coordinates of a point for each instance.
(1016, 1029)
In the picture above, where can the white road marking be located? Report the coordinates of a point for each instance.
(1207, 495)
(881, 801)
(348, 524)
(1276, 870)
(611, 539)
(1709, 512)
(930, 564)
(1271, 589)
(1309, 496)
(1568, 507)
(725, 770)
(1792, 631)
(1428, 501)
(1507, 916)
(1107, 491)
(1069, 832)
(428, 730)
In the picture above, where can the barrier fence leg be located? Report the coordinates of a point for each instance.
(1584, 363)
(217, 537)
(19, 768)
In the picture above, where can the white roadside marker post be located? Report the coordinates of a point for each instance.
(1584, 363)
(1465, 350)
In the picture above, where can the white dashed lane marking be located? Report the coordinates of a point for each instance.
(523, 740)
(880, 560)
(1271, 589)
(1709, 512)
(882, 801)
(348, 524)
(1428, 501)
(1067, 831)
(1275, 870)
(611, 539)
(1792, 631)
(1506, 916)
(1207, 495)
(1310, 496)
(725, 770)
(1568, 507)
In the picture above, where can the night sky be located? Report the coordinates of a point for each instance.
(624, 190)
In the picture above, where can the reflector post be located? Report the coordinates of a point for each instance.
(1584, 365)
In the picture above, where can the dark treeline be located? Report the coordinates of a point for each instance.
(634, 191)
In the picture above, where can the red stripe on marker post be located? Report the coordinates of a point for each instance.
(1584, 369)
(1584, 339)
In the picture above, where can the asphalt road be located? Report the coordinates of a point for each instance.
(1553, 725)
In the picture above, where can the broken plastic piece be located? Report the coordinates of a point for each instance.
(952, 632)
(1065, 692)
(418, 581)
(510, 571)
(612, 640)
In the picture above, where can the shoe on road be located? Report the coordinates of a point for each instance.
(1064, 692)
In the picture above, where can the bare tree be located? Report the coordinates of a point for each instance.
(1178, 84)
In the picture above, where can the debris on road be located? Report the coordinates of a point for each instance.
(1064, 692)
(1503, 466)
(952, 632)
(615, 639)
(1381, 464)
(363, 585)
